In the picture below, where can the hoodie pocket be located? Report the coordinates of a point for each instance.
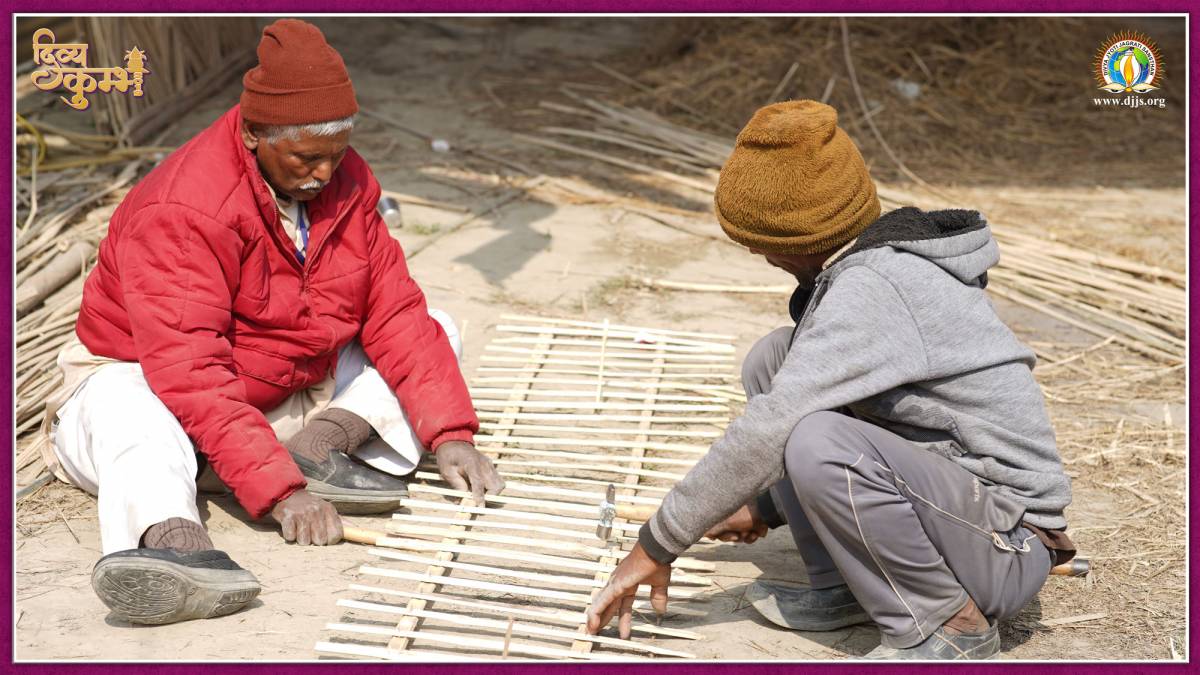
(922, 420)
(260, 365)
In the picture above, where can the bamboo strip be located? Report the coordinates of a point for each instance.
(634, 334)
(409, 502)
(588, 497)
(585, 535)
(592, 405)
(597, 443)
(514, 589)
(636, 329)
(576, 393)
(607, 353)
(585, 417)
(586, 457)
(575, 481)
(355, 649)
(554, 561)
(609, 375)
(632, 365)
(459, 640)
(604, 468)
(680, 433)
(622, 344)
(541, 614)
(560, 579)
(620, 384)
(515, 627)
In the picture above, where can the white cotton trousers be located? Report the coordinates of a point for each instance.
(115, 439)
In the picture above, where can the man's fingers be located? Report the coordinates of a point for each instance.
(601, 610)
(288, 528)
(475, 475)
(625, 623)
(335, 526)
(493, 481)
(303, 536)
(729, 536)
(658, 599)
(455, 480)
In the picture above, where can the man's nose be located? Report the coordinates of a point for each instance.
(324, 171)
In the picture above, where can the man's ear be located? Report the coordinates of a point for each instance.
(249, 138)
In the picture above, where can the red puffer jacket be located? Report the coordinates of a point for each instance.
(199, 283)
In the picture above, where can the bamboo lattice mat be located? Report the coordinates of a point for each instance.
(565, 408)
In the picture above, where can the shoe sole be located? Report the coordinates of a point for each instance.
(765, 604)
(149, 591)
(357, 502)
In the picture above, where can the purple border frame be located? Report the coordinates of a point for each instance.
(578, 6)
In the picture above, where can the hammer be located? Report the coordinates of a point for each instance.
(609, 511)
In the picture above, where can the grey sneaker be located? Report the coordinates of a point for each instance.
(160, 585)
(943, 646)
(802, 607)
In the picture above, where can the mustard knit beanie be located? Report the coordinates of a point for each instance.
(795, 182)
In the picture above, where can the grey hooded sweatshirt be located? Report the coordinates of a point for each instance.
(899, 329)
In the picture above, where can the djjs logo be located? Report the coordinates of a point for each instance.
(1129, 63)
(65, 65)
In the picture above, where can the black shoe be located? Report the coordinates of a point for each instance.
(352, 486)
(801, 607)
(159, 585)
(943, 646)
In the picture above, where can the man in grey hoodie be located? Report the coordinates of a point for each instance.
(897, 429)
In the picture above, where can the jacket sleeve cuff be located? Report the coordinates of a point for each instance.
(652, 548)
(464, 435)
(768, 510)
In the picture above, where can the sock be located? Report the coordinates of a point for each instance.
(969, 620)
(330, 430)
(180, 534)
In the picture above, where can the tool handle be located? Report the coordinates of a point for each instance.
(635, 512)
(1079, 567)
(361, 536)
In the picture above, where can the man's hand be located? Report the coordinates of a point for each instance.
(743, 526)
(461, 465)
(637, 568)
(306, 519)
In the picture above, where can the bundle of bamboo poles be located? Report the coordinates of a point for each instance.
(1140, 307)
(189, 58)
(67, 187)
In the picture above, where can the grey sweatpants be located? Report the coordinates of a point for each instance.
(910, 532)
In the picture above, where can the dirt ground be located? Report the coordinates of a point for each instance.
(552, 251)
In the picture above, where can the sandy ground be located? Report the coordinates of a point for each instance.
(547, 252)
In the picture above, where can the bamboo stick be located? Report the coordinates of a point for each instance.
(635, 329)
(576, 393)
(680, 433)
(618, 383)
(587, 497)
(560, 579)
(515, 627)
(355, 649)
(585, 535)
(597, 443)
(608, 353)
(585, 417)
(409, 502)
(623, 344)
(541, 614)
(716, 288)
(592, 405)
(608, 375)
(586, 457)
(514, 589)
(630, 367)
(576, 481)
(459, 640)
(630, 334)
(604, 468)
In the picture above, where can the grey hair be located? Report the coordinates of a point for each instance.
(292, 132)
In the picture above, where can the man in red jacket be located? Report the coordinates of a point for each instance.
(250, 311)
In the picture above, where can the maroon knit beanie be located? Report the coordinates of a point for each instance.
(299, 78)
